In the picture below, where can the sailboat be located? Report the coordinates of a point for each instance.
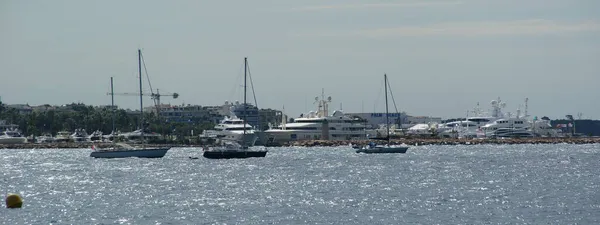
(123, 150)
(231, 149)
(372, 147)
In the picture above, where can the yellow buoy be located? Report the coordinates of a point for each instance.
(14, 201)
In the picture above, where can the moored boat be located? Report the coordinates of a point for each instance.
(372, 147)
(122, 150)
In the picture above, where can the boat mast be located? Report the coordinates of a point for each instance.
(245, 106)
(112, 105)
(387, 121)
(141, 95)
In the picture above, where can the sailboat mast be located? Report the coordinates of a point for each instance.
(387, 120)
(141, 98)
(245, 80)
(112, 104)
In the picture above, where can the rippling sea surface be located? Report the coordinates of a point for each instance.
(485, 184)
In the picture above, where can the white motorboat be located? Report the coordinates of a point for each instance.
(63, 136)
(80, 135)
(12, 136)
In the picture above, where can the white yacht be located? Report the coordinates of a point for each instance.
(231, 128)
(44, 138)
(423, 129)
(80, 135)
(136, 136)
(12, 136)
(318, 125)
(543, 128)
(508, 127)
(112, 136)
(63, 136)
(471, 126)
(519, 126)
(96, 136)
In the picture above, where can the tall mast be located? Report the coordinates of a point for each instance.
(245, 76)
(141, 94)
(387, 121)
(112, 105)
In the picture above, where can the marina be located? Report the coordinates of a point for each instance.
(300, 112)
(333, 143)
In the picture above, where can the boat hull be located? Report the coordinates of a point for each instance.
(233, 154)
(139, 153)
(383, 150)
(13, 140)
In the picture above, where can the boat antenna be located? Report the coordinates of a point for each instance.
(141, 95)
(526, 107)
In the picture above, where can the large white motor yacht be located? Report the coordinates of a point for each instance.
(314, 125)
(231, 128)
(471, 126)
(508, 127)
(519, 126)
(12, 136)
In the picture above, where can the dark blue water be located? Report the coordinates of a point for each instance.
(517, 184)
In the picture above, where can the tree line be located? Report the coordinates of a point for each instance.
(90, 118)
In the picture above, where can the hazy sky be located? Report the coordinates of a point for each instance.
(441, 56)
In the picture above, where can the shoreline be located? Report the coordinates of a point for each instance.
(448, 141)
(85, 145)
(330, 143)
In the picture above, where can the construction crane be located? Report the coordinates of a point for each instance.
(154, 96)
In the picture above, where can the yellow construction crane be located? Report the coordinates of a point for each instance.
(155, 96)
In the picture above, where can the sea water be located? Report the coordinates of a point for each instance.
(483, 184)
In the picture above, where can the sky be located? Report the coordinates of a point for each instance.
(442, 57)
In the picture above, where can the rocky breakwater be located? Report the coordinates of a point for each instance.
(449, 141)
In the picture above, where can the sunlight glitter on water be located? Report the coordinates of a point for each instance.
(429, 184)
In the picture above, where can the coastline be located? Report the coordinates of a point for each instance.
(84, 145)
(330, 143)
(450, 141)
